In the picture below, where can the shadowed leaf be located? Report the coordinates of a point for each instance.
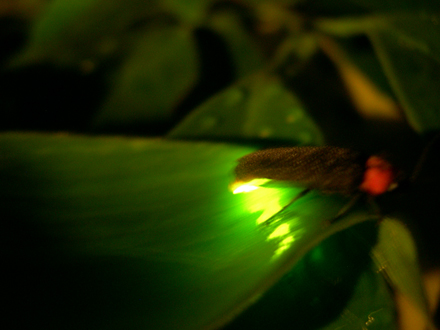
(259, 107)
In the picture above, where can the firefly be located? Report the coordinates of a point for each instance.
(328, 169)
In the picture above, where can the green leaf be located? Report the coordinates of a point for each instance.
(361, 7)
(82, 32)
(410, 55)
(370, 307)
(259, 107)
(396, 256)
(333, 285)
(366, 60)
(190, 11)
(152, 80)
(125, 233)
(408, 47)
(158, 61)
(265, 2)
(135, 233)
(247, 58)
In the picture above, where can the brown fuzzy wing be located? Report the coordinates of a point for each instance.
(328, 169)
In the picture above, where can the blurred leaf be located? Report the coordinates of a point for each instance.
(132, 233)
(152, 80)
(276, 2)
(360, 7)
(247, 58)
(410, 55)
(357, 64)
(296, 51)
(361, 53)
(191, 11)
(82, 32)
(21, 9)
(370, 307)
(334, 285)
(408, 46)
(259, 107)
(396, 256)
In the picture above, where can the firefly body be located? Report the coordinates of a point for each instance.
(331, 170)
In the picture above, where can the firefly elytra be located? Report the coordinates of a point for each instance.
(328, 169)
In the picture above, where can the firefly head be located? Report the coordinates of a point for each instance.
(379, 176)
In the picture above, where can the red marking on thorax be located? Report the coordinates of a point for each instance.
(378, 176)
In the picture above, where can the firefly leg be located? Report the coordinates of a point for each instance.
(375, 207)
(275, 216)
(346, 207)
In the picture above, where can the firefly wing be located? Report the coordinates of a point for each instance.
(328, 169)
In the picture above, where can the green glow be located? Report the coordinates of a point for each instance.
(284, 245)
(281, 230)
(287, 241)
(270, 208)
(261, 198)
(267, 199)
(244, 187)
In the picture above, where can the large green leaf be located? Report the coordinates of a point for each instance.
(111, 233)
(259, 107)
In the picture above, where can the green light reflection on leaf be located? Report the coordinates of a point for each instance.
(270, 200)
